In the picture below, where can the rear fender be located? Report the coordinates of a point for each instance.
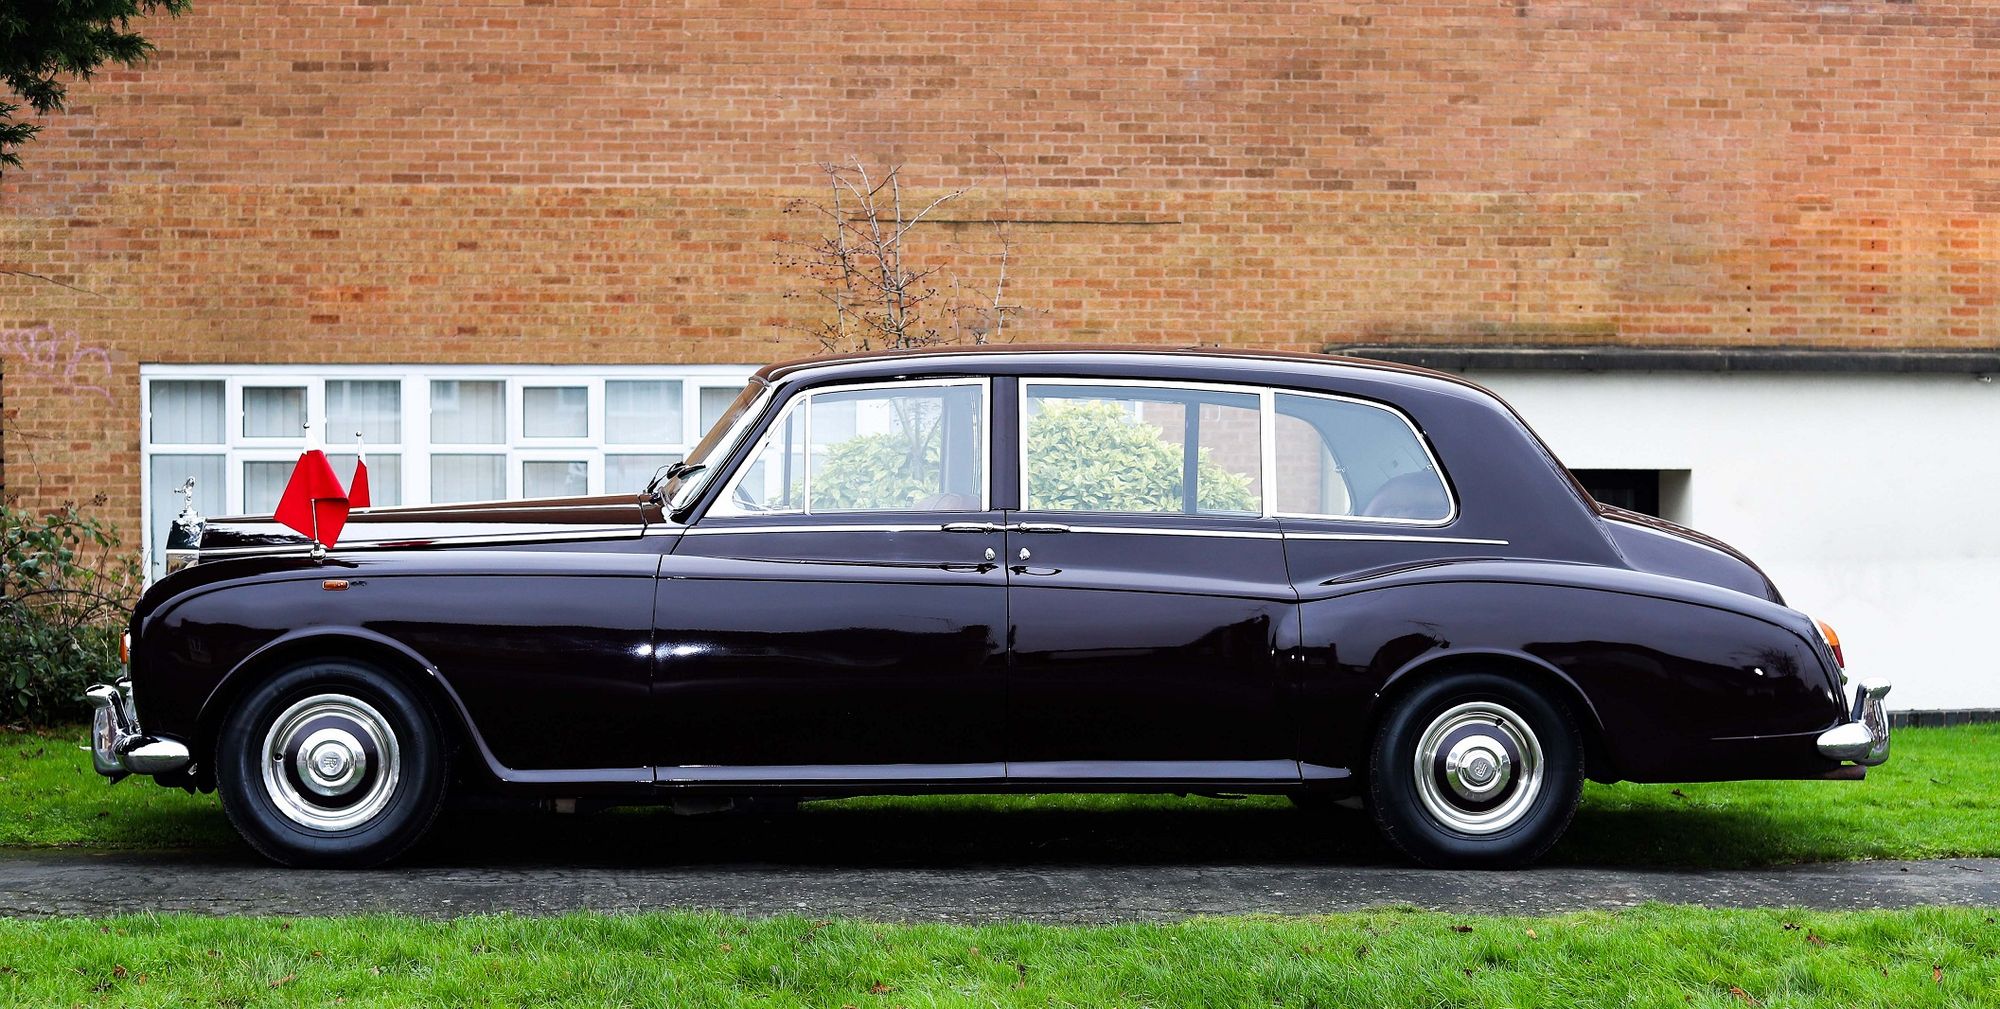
(1683, 680)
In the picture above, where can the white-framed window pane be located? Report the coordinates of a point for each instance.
(385, 476)
(554, 478)
(168, 473)
(186, 413)
(372, 408)
(460, 477)
(637, 412)
(555, 411)
(715, 401)
(274, 411)
(263, 483)
(468, 413)
(629, 474)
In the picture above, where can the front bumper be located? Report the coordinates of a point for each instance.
(117, 747)
(1864, 738)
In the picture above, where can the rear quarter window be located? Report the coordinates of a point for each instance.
(1341, 458)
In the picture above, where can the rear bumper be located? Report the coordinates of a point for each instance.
(1864, 738)
(117, 747)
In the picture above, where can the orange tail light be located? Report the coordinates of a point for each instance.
(1832, 641)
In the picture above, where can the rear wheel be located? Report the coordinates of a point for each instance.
(1475, 770)
(331, 763)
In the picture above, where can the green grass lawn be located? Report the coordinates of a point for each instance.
(1936, 798)
(1649, 956)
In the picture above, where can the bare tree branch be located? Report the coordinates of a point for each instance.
(859, 269)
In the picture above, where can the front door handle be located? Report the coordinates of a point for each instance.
(1042, 527)
(971, 527)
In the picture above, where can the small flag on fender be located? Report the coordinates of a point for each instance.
(313, 502)
(357, 488)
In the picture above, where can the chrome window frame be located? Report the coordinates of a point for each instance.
(724, 504)
(686, 497)
(1268, 461)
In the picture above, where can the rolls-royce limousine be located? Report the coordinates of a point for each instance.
(996, 570)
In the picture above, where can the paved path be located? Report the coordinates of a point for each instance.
(101, 884)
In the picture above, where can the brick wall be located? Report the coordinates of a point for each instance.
(605, 182)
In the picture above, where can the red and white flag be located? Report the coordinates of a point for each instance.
(357, 488)
(313, 502)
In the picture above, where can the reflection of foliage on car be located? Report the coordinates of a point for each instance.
(1094, 456)
(878, 472)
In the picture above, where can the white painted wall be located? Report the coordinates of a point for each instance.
(1872, 500)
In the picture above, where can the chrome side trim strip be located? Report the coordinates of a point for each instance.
(1237, 534)
(1154, 770)
(852, 528)
(699, 774)
(271, 551)
(420, 543)
(1231, 534)
(538, 536)
(1394, 538)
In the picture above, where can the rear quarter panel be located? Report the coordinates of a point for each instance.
(1687, 682)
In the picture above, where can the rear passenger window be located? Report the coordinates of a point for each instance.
(1344, 459)
(1128, 448)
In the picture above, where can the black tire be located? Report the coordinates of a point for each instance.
(1489, 812)
(342, 710)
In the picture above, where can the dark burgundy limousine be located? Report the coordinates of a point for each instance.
(1020, 570)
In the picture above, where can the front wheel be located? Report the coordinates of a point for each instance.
(1475, 770)
(330, 763)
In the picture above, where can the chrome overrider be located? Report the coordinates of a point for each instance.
(1864, 738)
(117, 746)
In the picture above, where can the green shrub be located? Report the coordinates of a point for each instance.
(66, 590)
(1092, 456)
(877, 472)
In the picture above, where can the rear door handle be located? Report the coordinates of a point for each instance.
(971, 527)
(1042, 527)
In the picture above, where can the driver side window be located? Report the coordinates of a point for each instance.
(900, 448)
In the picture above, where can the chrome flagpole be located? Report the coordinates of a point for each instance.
(318, 552)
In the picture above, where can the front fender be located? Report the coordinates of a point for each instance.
(545, 655)
(319, 642)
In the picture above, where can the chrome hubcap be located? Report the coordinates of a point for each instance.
(1478, 768)
(331, 762)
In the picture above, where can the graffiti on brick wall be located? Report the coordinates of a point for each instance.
(61, 359)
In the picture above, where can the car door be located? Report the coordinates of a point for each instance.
(1149, 607)
(838, 613)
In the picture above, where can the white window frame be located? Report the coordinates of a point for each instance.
(416, 448)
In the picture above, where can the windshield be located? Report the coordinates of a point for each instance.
(709, 452)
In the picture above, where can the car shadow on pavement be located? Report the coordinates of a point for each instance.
(890, 835)
(899, 837)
